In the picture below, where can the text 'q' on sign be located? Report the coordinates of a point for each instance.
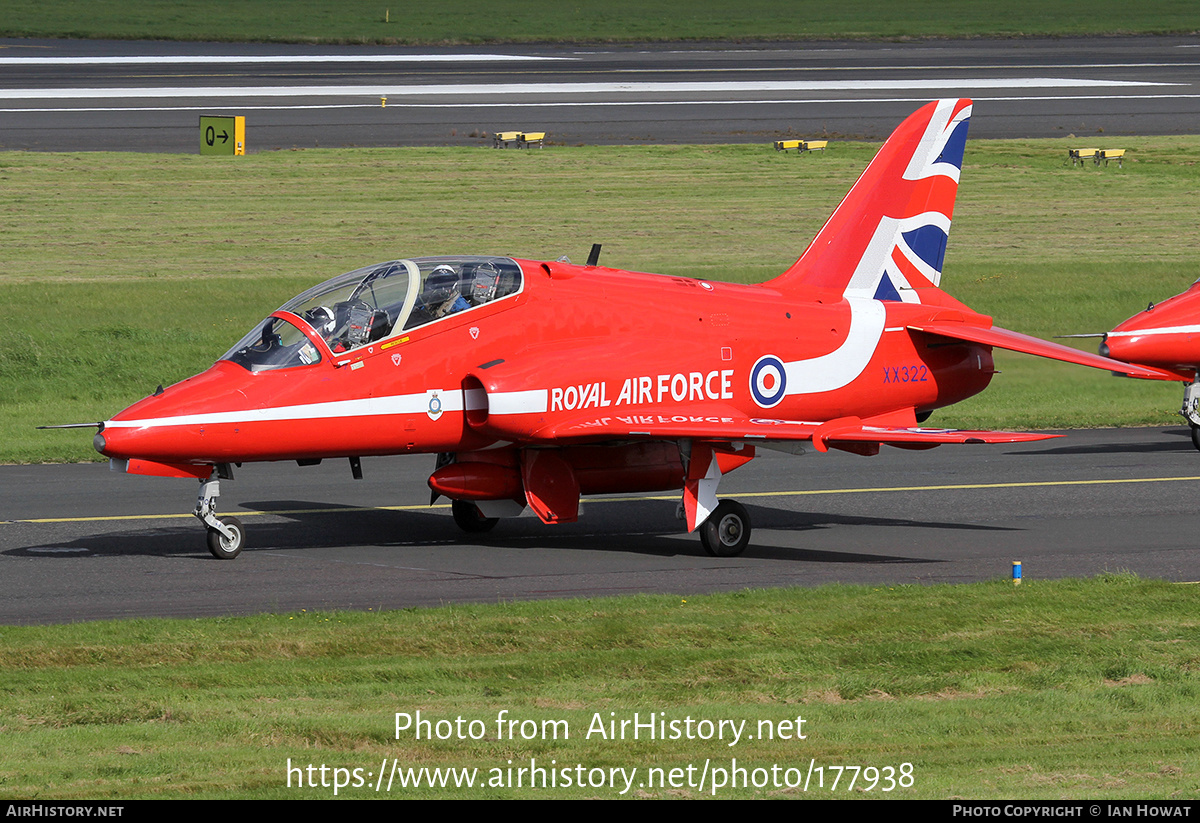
(222, 135)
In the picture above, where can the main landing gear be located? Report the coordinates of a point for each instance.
(726, 532)
(469, 518)
(1191, 409)
(226, 535)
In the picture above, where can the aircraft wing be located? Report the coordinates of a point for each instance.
(725, 424)
(1026, 344)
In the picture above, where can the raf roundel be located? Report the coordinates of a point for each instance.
(768, 381)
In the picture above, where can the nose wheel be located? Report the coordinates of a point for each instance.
(227, 547)
(726, 532)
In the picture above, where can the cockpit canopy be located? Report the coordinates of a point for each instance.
(374, 303)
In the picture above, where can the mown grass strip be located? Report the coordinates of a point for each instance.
(477, 21)
(1048, 690)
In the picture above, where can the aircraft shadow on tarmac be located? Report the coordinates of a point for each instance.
(1171, 443)
(642, 527)
(768, 521)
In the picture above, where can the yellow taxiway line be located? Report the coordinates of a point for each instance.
(593, 500)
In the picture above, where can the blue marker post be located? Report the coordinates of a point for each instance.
(1016, 572)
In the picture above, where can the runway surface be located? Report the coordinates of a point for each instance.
(78, 542)
(66, 95)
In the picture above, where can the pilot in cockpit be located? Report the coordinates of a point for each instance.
(442, 294)
(322, 321)
(440, 297)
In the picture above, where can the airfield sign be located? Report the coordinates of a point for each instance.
(222, 135)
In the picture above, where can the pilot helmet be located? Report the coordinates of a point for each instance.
(322, 320)
(441, 283)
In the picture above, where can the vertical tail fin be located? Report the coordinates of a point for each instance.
(888, 236)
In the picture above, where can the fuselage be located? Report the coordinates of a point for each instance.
(572, 341)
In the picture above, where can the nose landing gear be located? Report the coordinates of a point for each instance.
(226, 535)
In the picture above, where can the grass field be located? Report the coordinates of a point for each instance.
(1065, 689)
(123, 271)
(478, 21)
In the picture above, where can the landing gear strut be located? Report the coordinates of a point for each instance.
(226, 535)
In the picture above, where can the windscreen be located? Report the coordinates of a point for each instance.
(372, 303)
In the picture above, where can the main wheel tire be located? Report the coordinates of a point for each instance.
(470, 519)
(1195, 435)
(224, 548)
(726, 532)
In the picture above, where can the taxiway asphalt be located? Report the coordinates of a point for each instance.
(78, 542)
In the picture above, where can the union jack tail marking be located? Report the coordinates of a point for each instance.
(887, 239)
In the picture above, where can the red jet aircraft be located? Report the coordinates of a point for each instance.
(537, 382)
(1166, 336)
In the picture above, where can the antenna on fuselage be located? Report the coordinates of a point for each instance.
(594, 255)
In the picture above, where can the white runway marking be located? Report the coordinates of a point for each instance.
(484, 90)
(614, 103)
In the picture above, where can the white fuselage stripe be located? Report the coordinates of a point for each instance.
(535, 401)
(363, 407)
(1161, 330)
(844, 364)
(521, 402)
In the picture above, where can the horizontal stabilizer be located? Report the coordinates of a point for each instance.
(1026, 344)
(853, 430)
